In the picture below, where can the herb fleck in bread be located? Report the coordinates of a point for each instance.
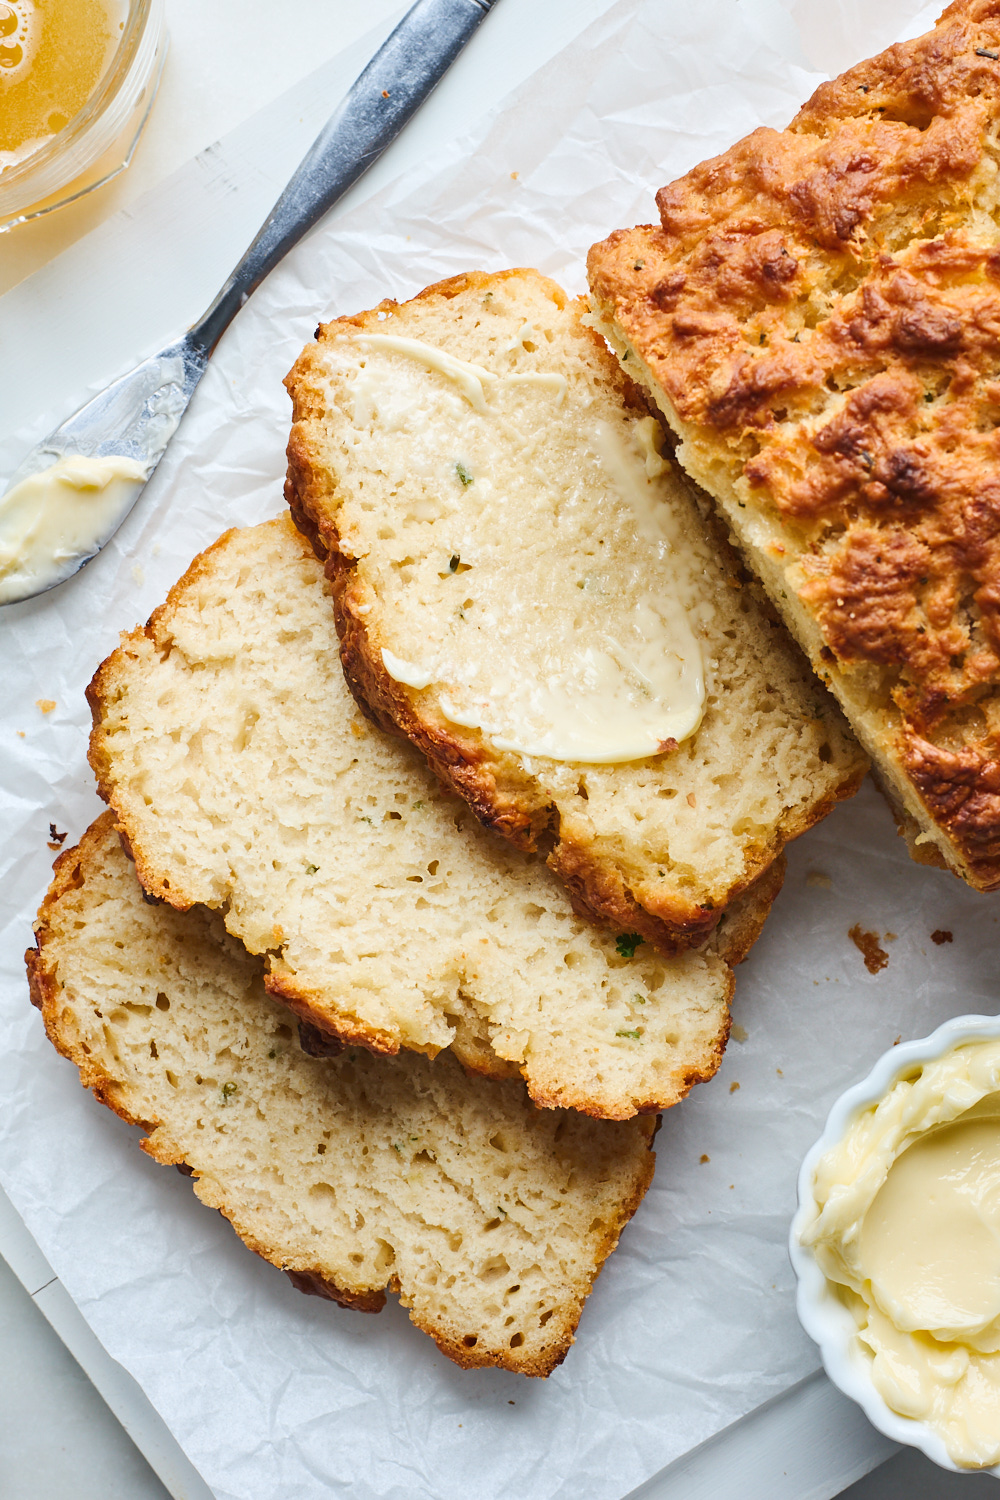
(355, 1174)
(244, 778)
(817, 315)
(479, 524)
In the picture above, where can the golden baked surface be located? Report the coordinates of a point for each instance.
(818, 315)
(354, 1174)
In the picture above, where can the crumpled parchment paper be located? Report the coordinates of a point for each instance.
(692, 1323)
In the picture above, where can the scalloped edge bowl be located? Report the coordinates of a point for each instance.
(822, 1314)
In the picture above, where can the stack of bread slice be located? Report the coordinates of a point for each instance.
(490, 1218)
(245, 779)
(294, 859)
(816, 317)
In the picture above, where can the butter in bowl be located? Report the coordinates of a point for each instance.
(896, 1244)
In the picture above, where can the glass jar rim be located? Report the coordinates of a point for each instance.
(115, 75)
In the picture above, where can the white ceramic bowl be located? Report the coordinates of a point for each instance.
(823, 1316)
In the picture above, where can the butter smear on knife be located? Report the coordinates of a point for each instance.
(59, 515)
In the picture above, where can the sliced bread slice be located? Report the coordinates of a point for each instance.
(245, 778)
(354, 1174)
(526, 587)
(816, 315)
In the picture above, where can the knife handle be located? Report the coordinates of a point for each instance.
(384, 97)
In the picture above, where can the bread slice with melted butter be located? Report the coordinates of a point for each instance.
(354, 1174)
(244, 778)
(526, 587)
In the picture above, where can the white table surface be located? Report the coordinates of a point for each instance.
(236, 72)
(60, 1437)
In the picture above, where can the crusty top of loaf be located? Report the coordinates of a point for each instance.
(353, 1173)
(245, 779)
(820, 310)
(418, 554)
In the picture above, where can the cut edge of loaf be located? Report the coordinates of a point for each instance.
(520, 811)
(927, 841)
(70, 872)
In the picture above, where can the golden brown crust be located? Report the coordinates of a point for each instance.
(743, 920)
(312, 1284)
(343, 1028)
(821, 306)
(101, 690)
(43, 986)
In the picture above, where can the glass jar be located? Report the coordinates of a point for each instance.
(98, 142)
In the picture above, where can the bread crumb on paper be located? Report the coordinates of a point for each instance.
(733, 1087)
(942, 935)
(45, 704)
(703, 1159)
(869, 947)
(739, 1033)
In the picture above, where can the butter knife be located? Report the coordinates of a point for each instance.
(135, 417)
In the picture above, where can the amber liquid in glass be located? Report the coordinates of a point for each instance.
(53, 54)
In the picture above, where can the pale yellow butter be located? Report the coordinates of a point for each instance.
(468, 377)
(908, 1225)
(59, 514)
(540, 671)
